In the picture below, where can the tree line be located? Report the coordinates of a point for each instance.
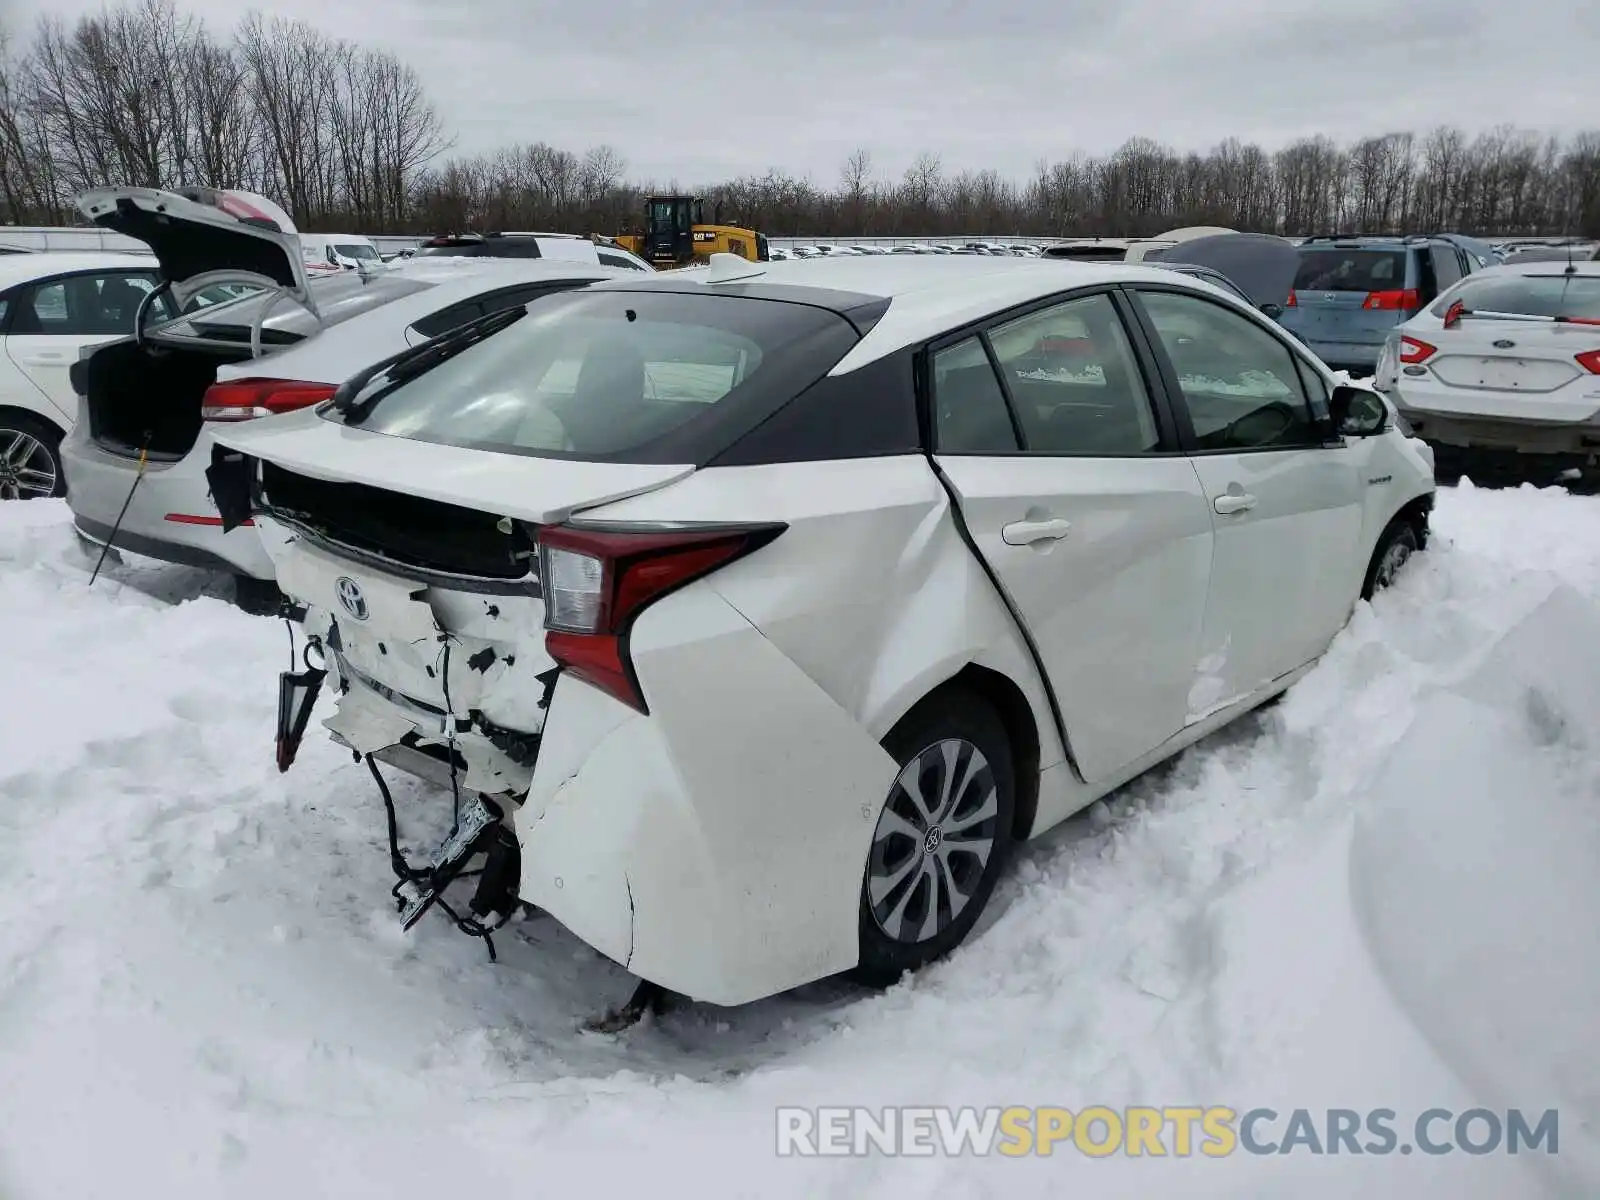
(347, 138)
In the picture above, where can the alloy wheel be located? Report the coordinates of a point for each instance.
(933, 841)
(27, 466)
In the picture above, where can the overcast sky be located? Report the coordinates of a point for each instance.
(700, 92)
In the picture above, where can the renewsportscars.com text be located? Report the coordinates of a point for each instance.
(1158, 1132)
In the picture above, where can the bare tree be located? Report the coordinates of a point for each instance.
(345, 137)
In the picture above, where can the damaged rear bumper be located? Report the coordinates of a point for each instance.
(714, 846)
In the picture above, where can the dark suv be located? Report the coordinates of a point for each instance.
(1351, 291)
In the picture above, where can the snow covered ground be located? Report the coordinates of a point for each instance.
(1380, 893)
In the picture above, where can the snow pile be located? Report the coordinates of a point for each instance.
(1377, 894)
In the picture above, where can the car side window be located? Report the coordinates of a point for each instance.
(1241, 385)
(82, 305)
(970, 413)
(1073, 377)
(609, 259)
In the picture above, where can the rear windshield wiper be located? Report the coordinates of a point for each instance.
(415, 361)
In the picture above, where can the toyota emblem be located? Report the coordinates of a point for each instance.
(351, 598)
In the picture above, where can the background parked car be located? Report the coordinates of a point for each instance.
(52, 305)
(1258, 267)
(147, 403)
(344, 251)
(1501, 374)
(1350, 292)
(567, 247)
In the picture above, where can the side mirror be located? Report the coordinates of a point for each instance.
(1272, 310)
(1357, 412)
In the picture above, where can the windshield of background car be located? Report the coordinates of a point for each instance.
(337, 297)
(355, 250)
(1336, 270)
(619, 376)
(1554, 295)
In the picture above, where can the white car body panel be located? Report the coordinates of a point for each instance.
(1271, 604)
(716, 843)
(45, 360)
(1131, 563)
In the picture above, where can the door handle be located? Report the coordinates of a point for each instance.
(1233, 502)
(1025, 533)
(44, 358)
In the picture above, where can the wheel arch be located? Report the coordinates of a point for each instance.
(1001, 693)
(1415, 512)
(35, 414)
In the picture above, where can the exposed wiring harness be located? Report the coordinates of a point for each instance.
(408, 875)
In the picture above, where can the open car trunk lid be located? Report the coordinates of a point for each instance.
(206, 236)
(529, 488)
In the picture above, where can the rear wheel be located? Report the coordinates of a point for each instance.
(942, 838)
(30, 458)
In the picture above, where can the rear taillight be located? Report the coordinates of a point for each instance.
(596, 582)
(1414, 350)
(1291, 302)
(246, 399)
(1452, 315)
(1393, 301)
(1589, 361)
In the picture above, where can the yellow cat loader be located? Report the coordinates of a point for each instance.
(675, 234)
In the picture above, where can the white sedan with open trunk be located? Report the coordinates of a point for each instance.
(135, 460)
(754, 613)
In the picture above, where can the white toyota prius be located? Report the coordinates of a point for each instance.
(755, 612)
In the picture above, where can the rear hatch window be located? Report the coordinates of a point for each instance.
(1575, 296)
(1341, 270)
(618, 376)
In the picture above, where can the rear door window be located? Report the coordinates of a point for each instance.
(1074, 381)
(1349, 270)
(85, 305)
(970, 412)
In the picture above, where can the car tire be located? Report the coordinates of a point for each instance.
(924, 887)
(27, 441)
(1395, 548)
